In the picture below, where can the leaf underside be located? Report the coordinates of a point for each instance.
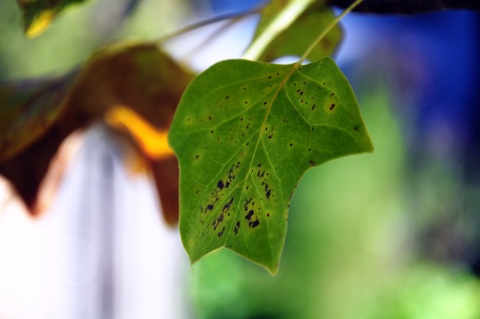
(244, 133)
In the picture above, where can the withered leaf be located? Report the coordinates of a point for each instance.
(139, 78)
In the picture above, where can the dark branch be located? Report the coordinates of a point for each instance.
(408, 6)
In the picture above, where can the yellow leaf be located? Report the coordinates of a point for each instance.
(40, 23)
(152, 141)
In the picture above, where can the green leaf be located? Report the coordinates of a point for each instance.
(38, 14)
(276, 16)
(244, 133)
(296, 38)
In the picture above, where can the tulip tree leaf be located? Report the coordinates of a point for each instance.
(276, 17)
(244, 134)
(28, 109)
(127, 85)
(295, 40)
(38, 14)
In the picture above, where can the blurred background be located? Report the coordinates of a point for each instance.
(394, 234)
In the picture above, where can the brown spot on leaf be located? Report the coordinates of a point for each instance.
(253, 223)
(237, 227)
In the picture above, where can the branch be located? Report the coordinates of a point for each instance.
(408, 7)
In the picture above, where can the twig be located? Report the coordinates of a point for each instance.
(408, 7)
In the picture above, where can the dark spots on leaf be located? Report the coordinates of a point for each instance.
(285, 121)
(248, 125)
(270, 136)
(332, 94)
(295, 84)
(259, 165)
(220, 234)
(188, 120)
(241, 119)
(268, 214)
(209, 118)
(278, 73)
(244, 88)
(312, 163)
(324, 83)
(248, 143)
(217, 221)
(251, 222)
(236, 228)
(313, 107)
(254, 223)
(227, 205)
(197, 156)
(313, 128)
(260, 173)
(227, 97)
(356, 128)
(332, 106)
(269, 76)
(291, 144)
(220, 184)
(208, 208)
(247, 202)
(246, 102)
(304, 82)
(268, 192)
(211, 132)
(265, 103)
(309, 149)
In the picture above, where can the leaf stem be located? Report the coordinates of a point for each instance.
(202, 23)
(326, 30)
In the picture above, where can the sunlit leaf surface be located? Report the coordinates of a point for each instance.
(276, 16)
(244, 133)
(294, 40)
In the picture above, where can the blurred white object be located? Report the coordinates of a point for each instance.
(101, 252)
